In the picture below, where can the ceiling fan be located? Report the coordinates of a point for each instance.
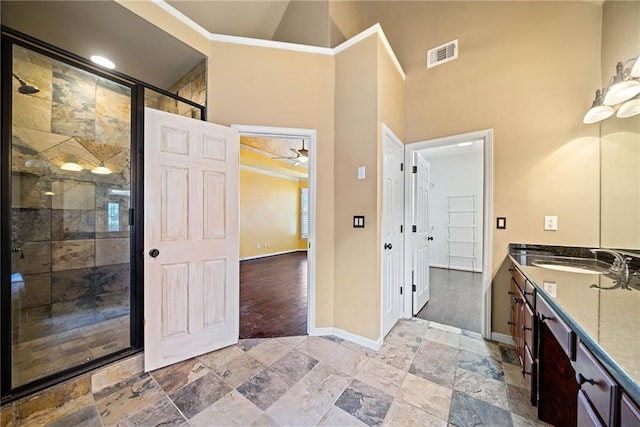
(302, 155)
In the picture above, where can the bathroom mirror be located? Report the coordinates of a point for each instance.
(619, 138)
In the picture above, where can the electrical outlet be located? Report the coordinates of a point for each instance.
(265, 245)
(551, 223)
(551, 288)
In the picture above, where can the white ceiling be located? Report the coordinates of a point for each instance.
(139, 49)
(255, 19)
(452, 150)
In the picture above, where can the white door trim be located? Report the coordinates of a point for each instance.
(487, 136)
(311, 135)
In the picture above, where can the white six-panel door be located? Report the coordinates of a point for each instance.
(191, 285)
(422, 234)
(392, 220)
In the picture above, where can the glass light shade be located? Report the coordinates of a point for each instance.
(629, 109)
(71, 166)
(101, 170)
(303, 159)
(621, 91)
(597, 113)
(635, 70)
(105, 62)
(49, 193)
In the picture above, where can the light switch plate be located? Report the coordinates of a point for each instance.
(361, 172)
(550, 223)
(358, 221)
(551, 288)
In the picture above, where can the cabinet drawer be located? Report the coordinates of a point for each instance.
(560, 330)
(530, 373)
(517, 276)
(597, 385)
(629, 413)
(529, 293)
(587, 416)
(527, 328)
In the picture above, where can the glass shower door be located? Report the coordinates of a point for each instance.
(70, 233)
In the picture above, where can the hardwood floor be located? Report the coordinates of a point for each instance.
(273, 296)
(455, 299)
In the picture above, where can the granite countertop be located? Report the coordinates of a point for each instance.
(607, 321)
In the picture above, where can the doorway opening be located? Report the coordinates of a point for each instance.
(276, 231)
(449, 209)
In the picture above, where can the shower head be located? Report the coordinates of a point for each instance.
(25, 87)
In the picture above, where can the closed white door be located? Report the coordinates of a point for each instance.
(422, 235)
(191, 266)
(392, 221)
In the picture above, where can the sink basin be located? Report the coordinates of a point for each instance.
(573, 265)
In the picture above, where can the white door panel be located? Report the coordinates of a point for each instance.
(421, 237)
(392, 220)
(191, 289)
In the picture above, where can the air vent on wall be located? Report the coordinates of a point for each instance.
(443, 53)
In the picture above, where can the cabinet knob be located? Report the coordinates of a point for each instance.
(528, 293)
(525, 372)
(581, 379)
(512, 269)
(510, 323)
(510, 293)
(524, 328)
(543, 317)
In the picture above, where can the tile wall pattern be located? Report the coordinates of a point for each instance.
(425, 374)
(191, 86)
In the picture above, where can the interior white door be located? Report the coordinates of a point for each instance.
(392, 221)
(422, 234)
(191, 266)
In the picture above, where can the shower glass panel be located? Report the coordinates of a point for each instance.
(70, 199)
(159, 101)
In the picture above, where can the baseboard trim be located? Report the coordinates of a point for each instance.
(272, 254)
(502, 338)
(446, 267)
(351, 337)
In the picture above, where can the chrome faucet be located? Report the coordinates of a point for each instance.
(620, 263)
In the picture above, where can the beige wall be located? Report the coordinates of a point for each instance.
(346, 19)
(517, 72)
(357, 283)
(305, 22)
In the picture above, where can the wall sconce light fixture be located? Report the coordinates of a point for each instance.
(624, 86)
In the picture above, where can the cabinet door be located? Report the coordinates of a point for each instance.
(587, 416)
(629, 413)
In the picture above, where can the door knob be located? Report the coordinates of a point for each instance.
(388, 246)
(154, 253)
(430, 238)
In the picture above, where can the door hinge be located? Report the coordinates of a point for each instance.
(413, 288)
(400, 290)
(414, 169)
(401, 167)
(414, 228)
(131, 215)
(401, 228)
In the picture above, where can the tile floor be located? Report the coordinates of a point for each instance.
(425, 374)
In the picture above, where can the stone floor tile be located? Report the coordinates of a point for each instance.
(231, 410)
(69, 410)
(112, 374)
(513, 375)
(264, 421)
(365, 403)
(318, 348)
(337, 417)
(216, 359)
(326, 382)
(85, 417)
(248, 343)
(118, 402)
(332, 338)
(472, 334)
(433, 369)
(405, 415)
(398, 356)
(384, 377)
(346, 360)
(467, 411)
(200, 394)
(481, 347)
(309, 409)
(443, 336)
(436, 325)
(173, 377)
(269, 351)
(265, 388)
(239, 370)
(7, 416)
(295, 365)
(162, 413)
(484, 365)
(520, 402)
(482, 388)
(519, 421)
(413, 326)
(426, 395)
(292, 341)
(508, 355)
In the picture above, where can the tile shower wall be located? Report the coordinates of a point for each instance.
(191, 86)
(72, 227)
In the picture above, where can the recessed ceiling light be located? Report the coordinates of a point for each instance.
(104, 62)
(465, 144)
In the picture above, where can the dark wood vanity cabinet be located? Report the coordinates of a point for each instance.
(568, 383)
